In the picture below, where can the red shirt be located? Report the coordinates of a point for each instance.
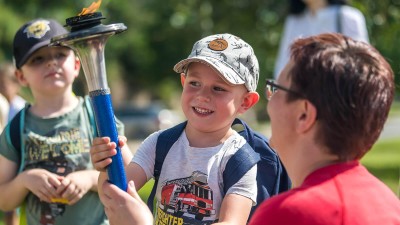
(339, 194)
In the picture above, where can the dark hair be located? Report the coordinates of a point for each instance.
(298, 6)
(350, 84)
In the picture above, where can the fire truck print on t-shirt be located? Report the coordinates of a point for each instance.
(187, 200)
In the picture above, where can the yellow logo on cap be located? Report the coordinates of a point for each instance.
(218, 44)
(37, 29)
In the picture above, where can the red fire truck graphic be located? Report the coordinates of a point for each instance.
(188, 195)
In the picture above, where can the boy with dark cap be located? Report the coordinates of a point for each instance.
(50, 175)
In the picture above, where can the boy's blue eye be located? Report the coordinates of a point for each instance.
(194, 83)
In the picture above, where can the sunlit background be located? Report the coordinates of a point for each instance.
(139, 61)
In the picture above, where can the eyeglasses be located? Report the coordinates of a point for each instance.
(271, 87)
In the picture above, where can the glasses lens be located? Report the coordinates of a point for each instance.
(268, 92)
(269, 89)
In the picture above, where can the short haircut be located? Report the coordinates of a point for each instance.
(351, 85)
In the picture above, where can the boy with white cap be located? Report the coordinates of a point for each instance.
(219, 80)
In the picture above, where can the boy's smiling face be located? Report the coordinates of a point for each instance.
(208, 101)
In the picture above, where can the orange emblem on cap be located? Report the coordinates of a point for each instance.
(218, 44)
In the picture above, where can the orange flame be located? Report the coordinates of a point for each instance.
(91, 9)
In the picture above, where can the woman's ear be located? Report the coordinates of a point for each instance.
(307, 116)
(249, 100)
(183, 78)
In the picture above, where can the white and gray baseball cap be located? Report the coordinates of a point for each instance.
(230, 56)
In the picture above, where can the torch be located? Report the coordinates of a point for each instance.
(87, 37)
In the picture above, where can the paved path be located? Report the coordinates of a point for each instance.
(391, 129)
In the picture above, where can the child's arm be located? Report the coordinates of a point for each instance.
(12, 193)
(235, 209)
(15, 187)
(237, 203)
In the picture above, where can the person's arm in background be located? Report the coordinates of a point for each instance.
(283, 52)
(353, 24)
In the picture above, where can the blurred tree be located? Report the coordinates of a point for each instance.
(160, 33)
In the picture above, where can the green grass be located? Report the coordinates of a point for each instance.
(384, 162)
(395, 109)
(144, 192)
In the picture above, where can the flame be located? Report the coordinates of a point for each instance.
(91, 9)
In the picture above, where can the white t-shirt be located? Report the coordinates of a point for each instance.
(324, 21)
(190, 187)
(4, 109)
(16, 105)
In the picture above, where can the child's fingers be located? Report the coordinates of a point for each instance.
(101, 140)
(122, 141)
(102, 165)
(101, 152)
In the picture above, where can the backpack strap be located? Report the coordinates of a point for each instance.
(244, 130)
(339, 19)
(14, 133)
(243, 160)
(164, 142)
(238, 165)
(89, 110)
(272, 177)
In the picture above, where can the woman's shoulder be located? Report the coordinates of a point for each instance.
(351, 12)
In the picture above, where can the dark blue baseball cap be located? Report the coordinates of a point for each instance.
(33, 35)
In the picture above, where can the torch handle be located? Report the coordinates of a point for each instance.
(106, 127)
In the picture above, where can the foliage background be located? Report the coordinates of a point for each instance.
(160, 33)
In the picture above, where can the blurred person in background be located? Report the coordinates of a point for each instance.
(312, 17)
(4, 107)
(9, 88)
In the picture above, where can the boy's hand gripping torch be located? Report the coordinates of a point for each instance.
(87, 38)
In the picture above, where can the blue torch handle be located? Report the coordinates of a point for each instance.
(106, 127)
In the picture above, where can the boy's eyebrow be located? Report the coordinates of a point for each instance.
(220, 82)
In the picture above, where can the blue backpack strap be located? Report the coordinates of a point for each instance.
(272, 177)
(238, 165)
(164, 142)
